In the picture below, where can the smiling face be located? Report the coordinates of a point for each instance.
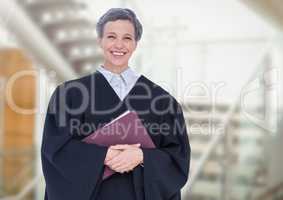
(118, 44)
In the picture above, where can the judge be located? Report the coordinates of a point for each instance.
(73, 169)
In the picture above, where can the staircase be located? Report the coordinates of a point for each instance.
(68, 30)
(235, 169)
(63, 37)
(273, 193)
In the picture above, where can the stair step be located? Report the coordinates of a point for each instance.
(211, 189)
(82, 62)
(75, 36)
(68, 25)
(205, 104)
(83, 47)
(41, 5)
(212, 117)
(199, 146)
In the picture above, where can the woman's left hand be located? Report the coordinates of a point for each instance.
(127, 160)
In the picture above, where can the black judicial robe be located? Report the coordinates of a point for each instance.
(73, 169)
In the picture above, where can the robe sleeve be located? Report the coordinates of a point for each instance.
(71, 168)
(166, 168)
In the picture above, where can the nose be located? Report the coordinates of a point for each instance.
(119, 44)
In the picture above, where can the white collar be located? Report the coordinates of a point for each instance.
(127, 75)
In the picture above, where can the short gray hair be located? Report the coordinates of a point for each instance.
(114, 14)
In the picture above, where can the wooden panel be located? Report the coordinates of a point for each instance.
(18, 122)
(18, 127)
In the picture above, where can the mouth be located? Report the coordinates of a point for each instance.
(118, 53)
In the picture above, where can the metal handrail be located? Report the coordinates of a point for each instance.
(211, 146)
(271, 192)
(26, 190)
(226, 121)
(45, 53)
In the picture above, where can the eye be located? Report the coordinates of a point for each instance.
(128, 38)
(110, 36)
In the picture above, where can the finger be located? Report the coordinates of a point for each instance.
(136, 145)
(108, 155)
(113, 155)
(109, 158)
(124, 166)
(118, 164)
(125, 169)
(110, 162)
(120, 146)
(116, 159)
(124, 146)
(120, 169)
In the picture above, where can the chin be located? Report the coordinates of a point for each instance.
(119, 64)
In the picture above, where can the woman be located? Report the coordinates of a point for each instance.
(73, 169)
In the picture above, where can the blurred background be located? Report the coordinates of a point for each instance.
(222, 59)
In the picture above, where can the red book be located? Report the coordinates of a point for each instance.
(125, 129)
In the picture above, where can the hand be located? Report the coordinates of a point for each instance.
(128, 159)
(114, 151)
(111, 153)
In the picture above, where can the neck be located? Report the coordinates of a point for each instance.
(115, 69)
